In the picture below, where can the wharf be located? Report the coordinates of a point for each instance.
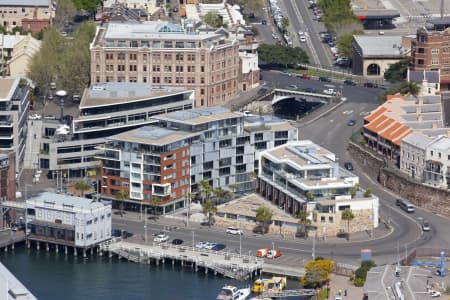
(283, 270)
(9, 237)
(240, 267)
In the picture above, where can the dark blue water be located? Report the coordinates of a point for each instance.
(55, 277)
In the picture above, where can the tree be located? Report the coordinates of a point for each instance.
(304, 222)
(345, 43)
(317, 273)
(233, 187)
(121, 195)
(221, 193)
(338, 16)
(81, 186)
(398, 71)
(281, 55)
(368, 192)
(347, 215)
(205, 190)
(209, 209)
(402, 87)
(285, 23)
(264, 217)
(213, 19)
(65, 10)
(309, 196)
(352, 192)
(88, 5)
(361, 272)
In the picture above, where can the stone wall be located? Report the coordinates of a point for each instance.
(433, 199)
(361, 222)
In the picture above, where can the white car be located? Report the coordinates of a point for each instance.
(161, 238)
(435, 294)
(201, 245)
(234, 230)
(331, 92)
(34, 117)
(209, 245)
(275, 36)
(300, 33)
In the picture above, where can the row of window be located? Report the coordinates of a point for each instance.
(155, 68)
(155, 56)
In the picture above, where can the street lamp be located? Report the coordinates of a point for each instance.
(193, 240)
(61, 95)
(240, 244)
(145, 225)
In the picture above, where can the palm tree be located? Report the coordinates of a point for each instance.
(221, 193)
(209, 209)
(189, 197)
(81, 186)
(233, 187)
(205, 190)
(347, 215)
(121, 196)
(352, 192)
(410, 87)
(304, 222)
(264, 217)
(368, 192)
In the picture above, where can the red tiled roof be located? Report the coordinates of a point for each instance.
(375, 114)
(390, 132)
(372, 126)
(405, 131)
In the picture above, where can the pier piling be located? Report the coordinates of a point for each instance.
(47, 247)
(6, 249)
(75, 251)
(37, 246)
(66, 251)
(84, 252)
(56, 249)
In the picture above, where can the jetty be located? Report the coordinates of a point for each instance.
(231, 265)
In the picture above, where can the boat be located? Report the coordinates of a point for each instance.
(274, 284)
(230, 292)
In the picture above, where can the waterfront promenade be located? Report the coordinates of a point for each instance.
(11, 288)
(8, 238)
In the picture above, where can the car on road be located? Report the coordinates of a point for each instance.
(209, 245)
(370, 85)
(398, 201)
(264, 22)
(201, 245)
(34, 117)
(275, 36)
(262, 252)
(285, 73)
(161, 238)
(293, 86)
(349, 82)
(324, 79)
(351, 123)
(234, 230)
(302, 39)
(331, 92)
(218, 247)
(435, 294)
(304, 76)
(426, 226)
(311, 90)
(50, 117)
(116, 233)
(273, 253)
(177, 242)
(348, 166)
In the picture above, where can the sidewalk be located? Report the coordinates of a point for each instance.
(343, 283)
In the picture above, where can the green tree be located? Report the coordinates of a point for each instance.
(65, 10)
(338, 16)
(309, 196)
(81, 186)
(345, 43)
(221, 194)
(368, 192)
(403, 88)
(398, 71)
(347, 215)
(285, 23)
(205, 190)
(304, 222)
(361, 272)
(88, 5)
(281, 55)
(264, 217)
(352, 192)
(213, 19)
(121, 195)
(317, 273)
(209, 209)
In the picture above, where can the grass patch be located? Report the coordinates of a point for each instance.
(322, 294)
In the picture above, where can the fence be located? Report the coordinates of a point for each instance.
(344, 269)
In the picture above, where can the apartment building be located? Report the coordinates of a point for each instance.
(67, 220)
(430, 50)
(105, 109)
(161, 53)
(14, 105)
(168, 160)
(7, 177)
(303, 176)
(16, 53)
(33, 15)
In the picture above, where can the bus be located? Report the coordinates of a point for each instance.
(405, 205)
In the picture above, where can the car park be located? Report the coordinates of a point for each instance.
(324, 79)
(349, 166)
(351, 123)
(234, 230)
(177, 242)
(161, 238)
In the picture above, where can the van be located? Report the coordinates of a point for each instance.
(405, 205)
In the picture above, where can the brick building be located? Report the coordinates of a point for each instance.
(165, 54)
(33, 15)
(431, 50)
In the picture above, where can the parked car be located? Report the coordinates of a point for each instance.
(34, 117)
(261, 229)
(324, 79)
(201, 245)
(209, 245)
(126, 234)
(435, 294)
(293, 86)
(349, 166)
(311, 90)
(264, 22)
(370, 85)
(262, 252)
(273, 253)
(426, 226)
(302, 39)
(177, 242)
(331, 92)
(161, 238)
(218, 247)
(349, 82)
(50, 117)
(351, 123)
(285, 73)
(116, 233)
(234, 230)
(275, 36)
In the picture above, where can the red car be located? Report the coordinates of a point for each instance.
(305, 76)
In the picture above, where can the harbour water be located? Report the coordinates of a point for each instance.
(53, 277)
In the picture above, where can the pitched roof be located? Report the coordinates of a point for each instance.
(375, 114)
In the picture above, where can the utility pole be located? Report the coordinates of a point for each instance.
(314, 247)
(193, 240)
(145, 226)
(240, 243)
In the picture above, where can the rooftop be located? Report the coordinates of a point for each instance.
(266, 122)
(149, 30)
(25, 3)
(8, 41)
(103, 94)
(11, 287)
(441, 143)
(150, 135)
(64, 201)
(387, 45)
(419, 76)
(418, 140)
(199, 115)
(302, 153)
(7, 87)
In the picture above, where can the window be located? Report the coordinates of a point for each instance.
(435, 51)
(133, 68)
(168, 44)
(208, 165)
(420, 50)
(202, 69)
(435, 61)
(179, 56)
(431, 153)
(167, 68)
(179, 68)
(322, 219)
(156, 44)
(420, 62)
(330, 219)
(168, 56)
(167, 79)
(156, 79)
(179, 44)
(121, 56)
(179, 79)
(134, 44)
(156, 56)
(144, 68)
(156, 68)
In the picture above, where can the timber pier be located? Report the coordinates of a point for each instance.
(239, 267)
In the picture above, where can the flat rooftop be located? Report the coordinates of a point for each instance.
(64, 200)
(11, 287)
(386, 45)
(302, 153)
(266, 122)
(108, 93)
(7, 87)
(32, 3)
(199, 115)
(151, 135)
